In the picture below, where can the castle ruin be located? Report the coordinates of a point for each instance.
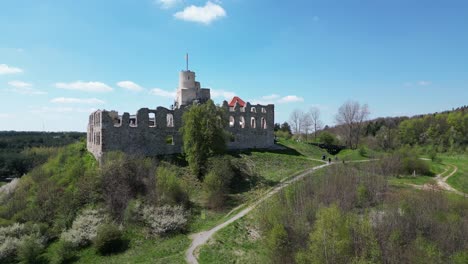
(152, 132)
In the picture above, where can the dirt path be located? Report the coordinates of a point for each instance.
(201, 238)
(441, 182)
(198, 239)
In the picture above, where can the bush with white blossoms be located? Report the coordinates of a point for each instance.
(11, 237)
(165, 219)
(84, 228)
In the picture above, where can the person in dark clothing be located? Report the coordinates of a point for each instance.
(329, 160)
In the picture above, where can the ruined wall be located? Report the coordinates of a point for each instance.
(156, 132)
(250, 126)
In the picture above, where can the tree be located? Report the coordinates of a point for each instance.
(330, 239)
(314, 114)
(285, 127)
(306, 124)
(351, 116)
(295, 120)
(203, 134)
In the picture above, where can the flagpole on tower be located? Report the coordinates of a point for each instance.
(186, 60)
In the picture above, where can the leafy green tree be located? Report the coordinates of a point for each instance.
(203, 134)
(217, 181)
(327, 138)
(169, 188)
(278, 244)
(330, 239)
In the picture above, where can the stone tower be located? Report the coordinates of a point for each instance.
(189, 90)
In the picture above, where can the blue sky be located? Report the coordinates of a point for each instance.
(59, 60)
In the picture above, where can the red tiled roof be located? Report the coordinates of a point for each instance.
(239, 101)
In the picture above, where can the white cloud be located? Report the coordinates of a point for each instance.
(290, 99)
(418, 83)
(270, 97)
(85, 86)
(129, 85)
(162, 93)
(166, 4)
(20, 84)
(46, 109)
(424, 83)
(5, 69)
(24, 88)
(201, 14)
(222, 93)
(65, 100)
(5, 115)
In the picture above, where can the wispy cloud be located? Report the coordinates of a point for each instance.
(129, 85)
(5, 69)
(166, 4)
(418, 83)
(162, 93)
(6, 115)
(47, 109)
(85, 86)
(222, 93)
(19, 84)
(65, 100)
(277, 99)
(290, 99)
(24, 88)
(201, 14)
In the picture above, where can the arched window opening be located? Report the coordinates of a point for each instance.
(242, 122)
(253, 109)
(263, 110)
(253, 122)
(264, 125)
(231, 121)
(152, 120)
(170, 120)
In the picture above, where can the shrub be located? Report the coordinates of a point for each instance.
(109, 239)
(8, 249)
(30, 250)
(164, 220)
(327, 138)
(283, 134)
(217, 181)
(64, 253)
(84, 228)
(169, 187)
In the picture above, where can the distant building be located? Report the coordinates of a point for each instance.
(152, 132)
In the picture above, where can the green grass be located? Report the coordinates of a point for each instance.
(459, 180)
(418, 180)
(303, 148)
(141, 250)
(237, 243)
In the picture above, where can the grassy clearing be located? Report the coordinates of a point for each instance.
(459, 180)
(237, 243)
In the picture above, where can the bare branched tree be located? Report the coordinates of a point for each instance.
(295, 120)
(314, 113)
(306, 124)
(351, 115)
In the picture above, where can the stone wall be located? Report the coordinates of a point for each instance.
(156, 132)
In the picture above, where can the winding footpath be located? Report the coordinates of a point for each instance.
(441, 182)
(198, 239)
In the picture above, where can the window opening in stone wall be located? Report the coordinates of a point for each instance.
(263, 110)
(170, 140)
(152, 120)
(242, 122)
(253, 123)
(133, 121)
(253, 110)
(231, 121)
(263, 121)
(170, 120)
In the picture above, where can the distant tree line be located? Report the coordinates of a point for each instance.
(22, 151)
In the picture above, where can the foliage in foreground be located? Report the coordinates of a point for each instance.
(203, 135)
